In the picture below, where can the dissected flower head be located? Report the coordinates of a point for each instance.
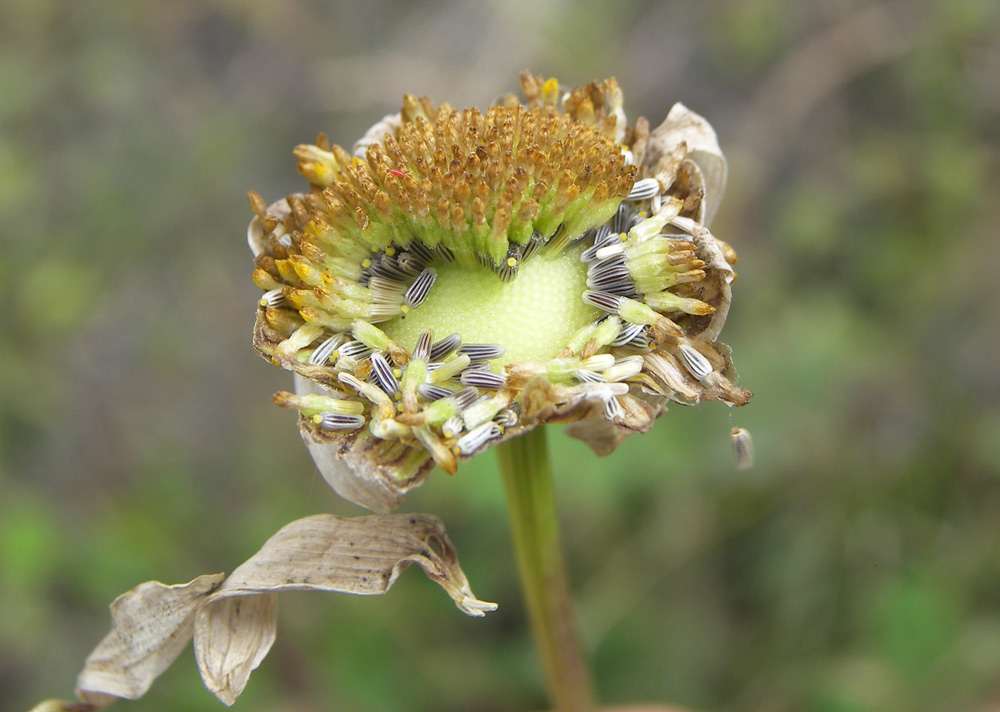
(464, 276)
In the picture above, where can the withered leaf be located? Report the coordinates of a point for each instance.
(231, 637)
(150, 625)
(233, 621)
(359, 555)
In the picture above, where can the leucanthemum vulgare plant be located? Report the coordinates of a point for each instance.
(454, 282)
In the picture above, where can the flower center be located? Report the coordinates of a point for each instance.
(532, 317)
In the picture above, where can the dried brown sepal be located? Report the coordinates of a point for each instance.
(603, 437)
(701, 146)
(372, 473)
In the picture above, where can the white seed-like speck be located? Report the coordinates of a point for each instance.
(628, 333)
(644, 189)
(387, 268)
(465, 397)
(613, 410)
(533, 245)
(445, 253)
(506, 418)
(472, 441)
(602, 300)
(479, 378)
(440, 372)
(340, 421)
(482, 352)
(598, 362)
(484, 409)
(422, 350)
(354, 349)
(431, 392)
(444, 347)
(590, 376)
(383, 287)
(410, 263)
(613, 280)
(694, 361)
(421, 251)
(642, 341)
(742, 444)
(452, 427)
(611, 250)
(322, 354)
(602, 391)
(383, 373)
(686, 224)
(611, 263)
(625, 368)
(421, 287)
(273, 298)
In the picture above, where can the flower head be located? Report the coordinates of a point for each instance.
(464, 276)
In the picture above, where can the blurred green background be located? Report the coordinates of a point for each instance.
(855, 568)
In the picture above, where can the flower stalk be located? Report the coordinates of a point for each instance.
(527, 478)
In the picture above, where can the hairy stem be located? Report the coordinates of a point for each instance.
(527, 478)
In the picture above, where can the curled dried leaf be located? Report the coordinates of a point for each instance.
(359, 555)
(232, 621)
(231, 637)
(150, 625)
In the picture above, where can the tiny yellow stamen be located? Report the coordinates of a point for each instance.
(550, 91)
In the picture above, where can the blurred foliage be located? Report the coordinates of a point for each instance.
(855, 568)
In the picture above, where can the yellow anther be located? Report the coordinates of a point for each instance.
(550, 91)
(403, 308)
(390, 251)
(366, 263)
(511, 261)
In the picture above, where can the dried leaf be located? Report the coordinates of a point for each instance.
(233, 621)
(231, 638)
(150, 625)
(359, 555)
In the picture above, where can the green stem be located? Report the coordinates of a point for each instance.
(527, 478)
